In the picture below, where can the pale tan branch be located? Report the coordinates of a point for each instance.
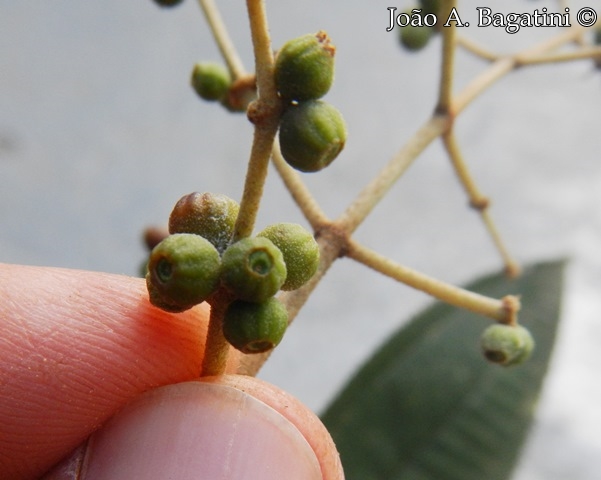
(496, 309)
(222, 38)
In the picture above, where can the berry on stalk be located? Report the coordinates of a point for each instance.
(183, 271)
(255, 327)
(253, 269)
(304, 67)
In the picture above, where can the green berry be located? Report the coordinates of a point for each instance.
(430, 6)
(312, 134)
(507, 344)
(300, 251)
(211, 81)
(255, 327)
(304, 67)
(158, 301)
(210, 215)
(183, 270)
(167, 3)
(253, 269)
(415, 38)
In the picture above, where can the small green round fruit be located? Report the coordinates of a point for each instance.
(211, 81)
(300, 251)
(210, 215)
(255, 327)
(507, 344)
(183, 270)
(167, 3)
(304, 67)
(415, 38)
(311, 136)
(253, 269)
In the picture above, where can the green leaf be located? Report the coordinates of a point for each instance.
(429, 406)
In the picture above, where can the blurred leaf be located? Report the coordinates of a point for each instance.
(429, 406)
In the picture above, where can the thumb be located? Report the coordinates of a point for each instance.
(198, 430)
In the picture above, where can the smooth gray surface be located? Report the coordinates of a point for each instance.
(100, 134)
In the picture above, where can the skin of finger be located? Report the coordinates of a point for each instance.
(296, 413)
(75, 347)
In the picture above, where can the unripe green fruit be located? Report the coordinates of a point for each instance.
(507, 344)
(304, 67)
(311, 136)
(255, 327)
(211, 81)
(158, 301)
(210, 215)
(183, 270)
(430, 6)
(415, 38)
(253, 269)
(168, 3)
(300, 251)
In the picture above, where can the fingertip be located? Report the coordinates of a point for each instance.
(199, 430)
(76, 346)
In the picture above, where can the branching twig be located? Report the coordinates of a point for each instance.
(504, 65)
(371, 195)
(478, 201)
(334, 237)
(459, 297)
(445, 92)
(581, 53)
(222, 38)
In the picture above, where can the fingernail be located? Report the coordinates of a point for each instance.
(197, 430)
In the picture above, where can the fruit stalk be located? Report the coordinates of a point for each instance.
(264, 113)
(216, 348)
(222, 38)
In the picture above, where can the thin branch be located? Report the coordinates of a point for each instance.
(299, 191)
(264, 62)
(477, 200)
(583, 53)
(264, 113)
(217, 348)
(222, 38)
(448, 61)
(458, 297)
(475, 48)
(255, 180)
(373, 193)
(504, 65)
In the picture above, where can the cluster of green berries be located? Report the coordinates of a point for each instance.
(312, 132)
(198, 259)
(420, 26)
(507, 344)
